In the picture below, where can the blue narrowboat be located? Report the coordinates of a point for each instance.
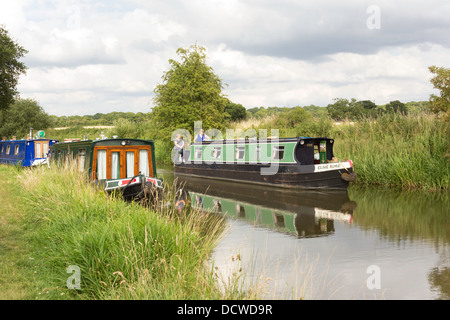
(26, 153)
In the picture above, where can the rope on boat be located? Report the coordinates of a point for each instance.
(347, 176)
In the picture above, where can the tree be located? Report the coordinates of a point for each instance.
(396, 106)
(440, 81)
(22, 115)
(10, 68)
(343, 109)
(236, 111)
(190, 92)
(367, 104)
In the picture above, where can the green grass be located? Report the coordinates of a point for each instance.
(123, 250)
(16, 275)
(397, 150)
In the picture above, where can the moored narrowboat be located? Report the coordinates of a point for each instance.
(124, 165)
(301, 162)
(25, 152)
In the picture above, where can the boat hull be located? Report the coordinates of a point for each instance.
(136, 188)
(286, 176)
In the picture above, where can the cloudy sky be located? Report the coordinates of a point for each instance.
(89, 56)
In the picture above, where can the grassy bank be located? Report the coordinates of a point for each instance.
(16, 268)
(122, 250)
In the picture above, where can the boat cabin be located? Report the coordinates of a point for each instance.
(113, 163)
(108, 158)
(303, 151)
(26, 153)
(301, 162)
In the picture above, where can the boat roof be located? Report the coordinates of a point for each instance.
(25, 140)
(292, 139)
(67, 141)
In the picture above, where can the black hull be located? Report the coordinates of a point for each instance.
(138, 192)
(287, 176)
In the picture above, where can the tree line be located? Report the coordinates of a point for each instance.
(190, 91)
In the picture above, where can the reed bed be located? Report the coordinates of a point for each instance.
(123, 250)
(398, 150)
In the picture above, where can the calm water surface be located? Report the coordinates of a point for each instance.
(364, 243)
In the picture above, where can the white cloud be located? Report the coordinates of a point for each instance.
(87, 57)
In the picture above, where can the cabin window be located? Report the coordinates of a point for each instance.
(240, 211)
(115, 165)
(38, 150)
(198, 153)
(81, 159)
(240, 153)
(130, 164)
(143, 163)
(217, 206)
(101, 164)
(258, 153)
(217, 151)
(8, 149)
(16, 150)
(44, 149)
(277, 152)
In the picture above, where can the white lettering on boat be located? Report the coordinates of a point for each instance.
(331, 166)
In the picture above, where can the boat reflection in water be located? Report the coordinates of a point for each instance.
(298, 213)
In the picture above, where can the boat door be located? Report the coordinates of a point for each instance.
(40, 149)
(119, 162)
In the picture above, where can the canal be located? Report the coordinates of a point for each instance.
(363, 243)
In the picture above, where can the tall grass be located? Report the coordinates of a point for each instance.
(397, 150)
(123, 250)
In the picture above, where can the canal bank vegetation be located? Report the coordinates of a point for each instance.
(399, 144)
(120, 250)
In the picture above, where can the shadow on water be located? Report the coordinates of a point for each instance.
(297, 213)
(399, 228)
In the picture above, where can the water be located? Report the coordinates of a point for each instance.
(364, 243)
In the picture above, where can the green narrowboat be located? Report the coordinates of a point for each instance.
(125, 165)
(301, 162)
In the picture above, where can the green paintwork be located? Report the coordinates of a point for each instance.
(228, 152)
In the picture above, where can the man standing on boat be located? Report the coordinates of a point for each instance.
(201, 136)
(179, 146)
